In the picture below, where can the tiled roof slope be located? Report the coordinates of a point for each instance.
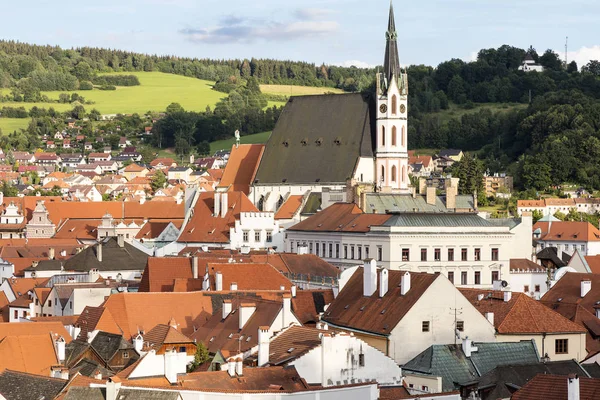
(299, 339)
(319, 138)
(33, 328)
(309, 304)
(165, 334)
(161, 272)
(555, 387)
(241, 167)
(96, 318)
(299, 264)
(374, 314)
(571, 231)
(204, 227)
(341, 217)
(22, 386)
(520, 315)
(290, 207)
(33, 354)
(248, 276)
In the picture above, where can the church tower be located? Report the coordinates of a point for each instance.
(391, 155)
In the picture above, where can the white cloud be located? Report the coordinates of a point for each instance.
(355, 63)
(583, 55)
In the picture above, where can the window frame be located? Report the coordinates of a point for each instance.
(425, 326)
(423, 255)
(561, 346)
(405, 254)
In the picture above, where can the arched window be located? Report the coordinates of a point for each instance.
(261, 203)
(403, 137)
(393, 173)
(393, 136)
(394, 104)
(279, 202)
(403, 174)
(383, 135)
(382, 173)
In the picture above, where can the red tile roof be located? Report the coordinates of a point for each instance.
(204, 227)
(594, 263)
(164, 334)
(248, 276)
(242, 166)
(153, 228)
(290, 207)
(34, 354)
(161, 272)
(523, 264)
(308, 304)
(571, 231)
(520, 315)
(374, 314)
(555, 387)
(166, 161)
(33, 328)
(341, 217)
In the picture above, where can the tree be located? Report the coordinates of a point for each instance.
(572, 67)
(593, 67)
(200, 357)
(551, 60)
(174, 108)
(159, 181)
(203, 148)
(8, 190)
(537, 215)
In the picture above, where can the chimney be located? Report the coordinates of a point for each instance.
(217, 205)
(233, 286)
(246, 311)
(405, 284)
(507, 296)
(293, 290)
(121, 240)
(171, 360)
(475, 200)
(195, 267)
(451, 192)
(218, 281)
(573, 387)
(224, 204)
(227, 306)
(138, 343)
(302, 250)
(60, 346)
(99, 252)
(467, 347)
(490, 317)
(480, 297)
(76, 331)
(369, 277)
(231, 366)
(239, 366)
(383, 282)
(63, 253)
(98, 375)
(430, 196)
(113, 385)
(263, 346)
(422, 185)
(51, 253)
(286, 319)
(586, 286)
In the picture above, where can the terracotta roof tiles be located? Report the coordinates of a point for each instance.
(545, 387)
(290, 207)
(242, 166)
(571, 231)
(341, 217)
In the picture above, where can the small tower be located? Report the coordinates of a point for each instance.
(391, 154)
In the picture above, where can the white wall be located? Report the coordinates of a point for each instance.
(274, 191)
(437, 305)
(336, 362)
(518, 281)
(252, 222)
(83, 297)
(126, 275)
(365, 170)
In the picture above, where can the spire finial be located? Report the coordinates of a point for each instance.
(391, 63)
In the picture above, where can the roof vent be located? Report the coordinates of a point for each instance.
(285, 143)
(304, 142)
(284, 180)
(337, 141)
(319, 141)
(291, 349)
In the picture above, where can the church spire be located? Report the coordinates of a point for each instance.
(391, 63)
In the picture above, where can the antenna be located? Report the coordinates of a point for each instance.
(566, 52)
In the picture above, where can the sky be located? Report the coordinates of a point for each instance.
(340, 32)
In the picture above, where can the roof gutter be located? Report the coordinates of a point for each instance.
(358, 330)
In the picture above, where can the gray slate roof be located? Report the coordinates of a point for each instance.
(450, 362)
(438, 220)
(107, 344)
(114, 258)
(325, 136)
(380, 202)
(21, 386)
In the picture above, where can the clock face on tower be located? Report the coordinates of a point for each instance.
(402, 108)
(383, 108)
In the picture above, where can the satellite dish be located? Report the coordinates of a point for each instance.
(504, 284)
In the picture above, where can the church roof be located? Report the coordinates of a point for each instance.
(319, 139)
(391, 62)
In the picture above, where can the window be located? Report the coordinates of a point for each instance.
(345, 251)
(561, 346)
(366, 251)
(403, 137)
(352, 252)
(394, 136)
(463, 278)
(437, 254)
(382, 173)
(477, 254)
(70, 305)
(537, 288)
(425, 326)
(49, 303)
(257, 236)
(310, 247)
(36, 300)
(463, 254)
(425, 388)
(405, 254)
(361, 360)
(382, 141)
(245, 236)
(337, 250)
(495, 276)
(526, 288)
(495, 255)
(393, 173)
(324, 249)
(423, 254)
(182, 349)
(125, 354)
(394, 104)
(460, 326)
(477, 278)
(379, 253)
(360, 252)
(566, 247)
(317, 249)
(450, 254)
(451, 276)
(269, 236)
(16, 315)
(330, 250)
(583, 247)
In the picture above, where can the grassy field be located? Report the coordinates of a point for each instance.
(9, 125)
(156, 92)
(291, 90)
(248, 139)
(454, 111)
